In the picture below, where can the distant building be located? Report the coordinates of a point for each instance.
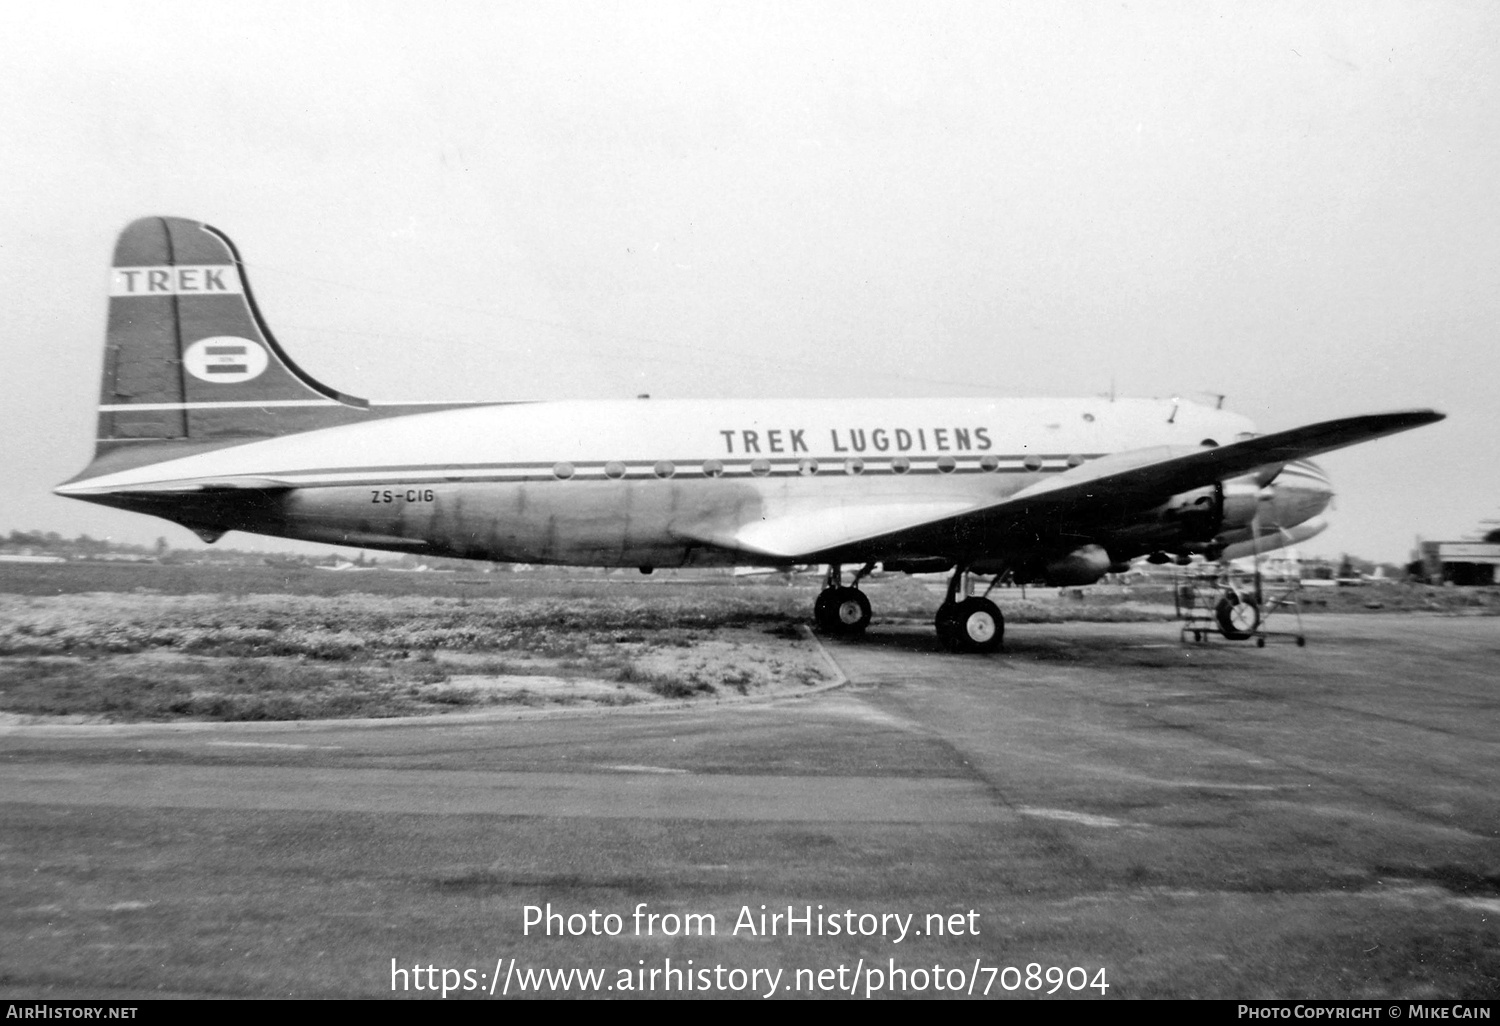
(1461, 562)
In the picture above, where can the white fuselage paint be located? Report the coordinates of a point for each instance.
(483, 481)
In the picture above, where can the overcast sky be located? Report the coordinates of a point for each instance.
(1294, 205)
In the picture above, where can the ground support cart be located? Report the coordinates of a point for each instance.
(1218, 600)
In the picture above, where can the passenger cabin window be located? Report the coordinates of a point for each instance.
(900, 465)
(615, 469)
(713, 468)
(1075, 460)
(807, 468)
(989, 464)
(562, 471)
(1032, 462)
(760, 468)
(664, 468)
(854, 465)
(946, 464)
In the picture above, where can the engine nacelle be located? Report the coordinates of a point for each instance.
(1084, 565)
(1241, 497)
(1183, 519)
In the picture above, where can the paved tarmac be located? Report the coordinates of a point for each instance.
(1196, 820)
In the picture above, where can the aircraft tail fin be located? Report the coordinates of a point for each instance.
(188, 357)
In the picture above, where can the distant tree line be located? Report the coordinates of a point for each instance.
(50, 543)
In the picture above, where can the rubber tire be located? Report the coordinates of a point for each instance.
(845, 611)
(978, 626)
(1238, 616)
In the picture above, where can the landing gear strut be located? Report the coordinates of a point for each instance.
(969, 624)
(840, 608)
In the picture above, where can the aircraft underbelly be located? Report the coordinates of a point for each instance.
(591, 523)
(594, 523)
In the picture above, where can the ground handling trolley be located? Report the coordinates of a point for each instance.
(1214, 598)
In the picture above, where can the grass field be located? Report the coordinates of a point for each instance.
(126, 642)
(160, 643)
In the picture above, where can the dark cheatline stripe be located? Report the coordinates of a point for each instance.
(227, 368)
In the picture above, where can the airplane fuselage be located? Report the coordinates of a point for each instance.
(660, 483)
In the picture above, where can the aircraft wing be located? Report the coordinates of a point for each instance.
(1101, 492)
(1149, 476)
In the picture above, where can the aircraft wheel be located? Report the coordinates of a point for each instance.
(973, 625)
(1238, 616)
(845, 611)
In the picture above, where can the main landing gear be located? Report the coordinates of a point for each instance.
(842, 609)
(968, 624)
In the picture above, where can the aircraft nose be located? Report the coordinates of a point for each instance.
(1301, 491)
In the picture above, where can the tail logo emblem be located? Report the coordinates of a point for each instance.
(225, 360)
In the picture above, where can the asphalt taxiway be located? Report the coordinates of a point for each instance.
(1198, 820)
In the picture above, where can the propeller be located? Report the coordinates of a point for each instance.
(1265, 503)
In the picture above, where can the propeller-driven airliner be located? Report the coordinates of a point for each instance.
(205, 420)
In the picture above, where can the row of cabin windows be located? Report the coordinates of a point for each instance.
(806, 467)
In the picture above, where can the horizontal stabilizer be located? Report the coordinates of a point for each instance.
(170, 488)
